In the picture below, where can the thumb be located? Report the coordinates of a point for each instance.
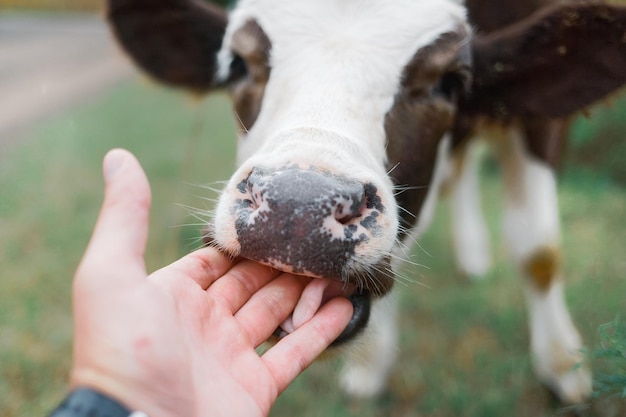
(119, 238)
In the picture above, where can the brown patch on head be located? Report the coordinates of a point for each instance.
(423, 111)
(543, 266)
(251, 45)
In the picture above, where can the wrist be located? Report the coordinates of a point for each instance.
(86, 402)
(132, 394)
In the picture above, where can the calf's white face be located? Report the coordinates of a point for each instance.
(312, 194)
(338, 101)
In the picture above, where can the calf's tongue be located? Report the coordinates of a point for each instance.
(317, 292)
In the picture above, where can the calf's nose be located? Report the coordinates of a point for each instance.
(303, 221)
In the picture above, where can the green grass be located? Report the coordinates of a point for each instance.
(598, 143)
(611, 357)
(463, 347)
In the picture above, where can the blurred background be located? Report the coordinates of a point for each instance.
(67, 95)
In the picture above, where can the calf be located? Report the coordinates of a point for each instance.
(350, 109)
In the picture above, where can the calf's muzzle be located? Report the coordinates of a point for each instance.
(305, 221)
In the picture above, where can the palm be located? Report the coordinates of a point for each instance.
(182, 341)
(220, 336)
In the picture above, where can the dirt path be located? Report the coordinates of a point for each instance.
(51, 62)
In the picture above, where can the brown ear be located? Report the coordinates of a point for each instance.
(553, 63)
(175, 41)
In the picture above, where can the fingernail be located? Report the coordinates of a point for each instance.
(113, 161)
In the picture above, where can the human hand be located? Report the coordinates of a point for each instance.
(181, 342)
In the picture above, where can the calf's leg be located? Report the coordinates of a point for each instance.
(531, 226)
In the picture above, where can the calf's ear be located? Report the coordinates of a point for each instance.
(174, 41)
(552, 64)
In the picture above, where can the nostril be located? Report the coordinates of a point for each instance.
(344, 219)
(350, 209)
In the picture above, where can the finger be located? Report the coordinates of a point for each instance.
(270, 306)
(296, 351)
(237, 285)
(119, 238)
(203, 266)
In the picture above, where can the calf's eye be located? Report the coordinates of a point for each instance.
(453, 84)
(238, 68)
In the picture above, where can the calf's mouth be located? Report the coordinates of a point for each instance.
(320, 290)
